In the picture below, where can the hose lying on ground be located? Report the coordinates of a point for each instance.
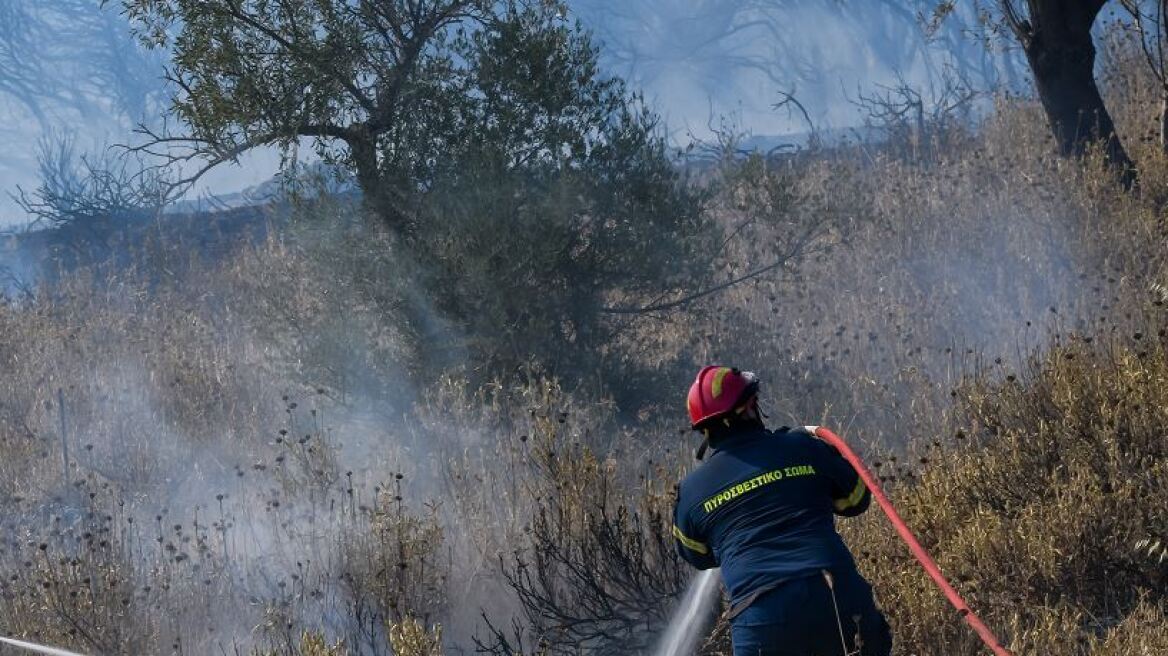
(922, 556)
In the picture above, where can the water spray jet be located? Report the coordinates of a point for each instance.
(38, 649)
(685, 627)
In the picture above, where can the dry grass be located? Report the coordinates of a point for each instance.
(1035, 497)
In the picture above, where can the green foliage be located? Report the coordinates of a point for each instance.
(378, 86)
(396, 92)
(523, 190)
(538, 93)
(526, 262)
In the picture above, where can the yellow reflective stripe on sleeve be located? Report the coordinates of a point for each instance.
(690, 543)
(852, 499)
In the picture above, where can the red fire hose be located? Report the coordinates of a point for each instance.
(923, 556)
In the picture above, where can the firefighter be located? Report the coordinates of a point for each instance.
(761, 507)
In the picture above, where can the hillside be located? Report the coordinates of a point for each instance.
(310, 429)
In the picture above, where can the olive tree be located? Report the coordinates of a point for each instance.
(374, 85)
(394, 91)
(518, 187)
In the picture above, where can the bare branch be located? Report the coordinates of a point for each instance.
(1020, 26)
(798, 249)
(788, 100)
(1149, 38)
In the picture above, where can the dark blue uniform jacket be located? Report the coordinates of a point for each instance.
(762, 508)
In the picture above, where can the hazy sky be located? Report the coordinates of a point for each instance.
(702, 59)
(697, 61)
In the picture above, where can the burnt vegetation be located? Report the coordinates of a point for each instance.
(449, 420)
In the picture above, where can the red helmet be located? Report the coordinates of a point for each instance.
(718, 391)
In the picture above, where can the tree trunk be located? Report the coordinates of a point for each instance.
(376, 192)
(1061, 54)
(424, 331)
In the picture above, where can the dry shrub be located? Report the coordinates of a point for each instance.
(410, 637)
(1142, 633)
(311, 644)
(598, 568)
(204, 500)
(918, 275)
(395, 565)
(1035, 504)
(546, 498)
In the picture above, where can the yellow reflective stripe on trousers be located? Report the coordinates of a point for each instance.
(853, 498)
(690, 543)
